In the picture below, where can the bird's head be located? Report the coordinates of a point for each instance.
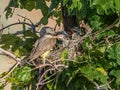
(50, 33)
(47, 32)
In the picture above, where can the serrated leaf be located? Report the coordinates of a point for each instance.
(114, 52)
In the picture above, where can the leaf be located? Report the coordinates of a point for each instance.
(92, 74)
(117, 5)
(8, 13)
(3, 74)
(41, 4)
(64, 54)
(27, 4)
(95, 22)
(114, 52)
(20, 51)
(9, 41)
(2, 86)
(29, 33)
(107, 33)
(116, 73)
(21, 75)
(102, 70)
(53, 5)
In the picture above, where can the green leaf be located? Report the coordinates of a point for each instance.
(92, 74)
(53, 5)
(117, 6)
(107, 33)
(8, 13)
(2, 86)
(114, 52)
(20, 51)
(41, 4)
(9, 41)
(29, 34)
(21, 75)
(64, 54)
(116, 73)
(95, 22)
(3, 74)
(27, 4)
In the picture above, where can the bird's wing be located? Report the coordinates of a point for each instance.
(41, 47)
(35, 47)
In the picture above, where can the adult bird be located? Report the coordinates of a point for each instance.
(45, 43)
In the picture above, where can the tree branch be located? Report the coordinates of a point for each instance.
(16, 24)
(10, 55)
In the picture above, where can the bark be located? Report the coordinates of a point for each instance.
(68, 21)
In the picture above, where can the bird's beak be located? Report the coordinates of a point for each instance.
(62, 35)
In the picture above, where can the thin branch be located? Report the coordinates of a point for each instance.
(10, 55)
(115, 23)
(41, 66)
(26, 18)
(45, 80)
(15, 24)
(41, 78)
(11, 70)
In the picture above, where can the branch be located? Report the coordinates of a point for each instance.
(10, 55)
(32, 25)
(16, 24)
(14, 58)
(86, 27)
(116, 23)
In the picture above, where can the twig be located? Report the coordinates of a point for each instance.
(11, 70)
(87, 27)
(15, 24)
(26, 18)
(115, 23)
(14, 58)
(45, 80)
(10, 55)
(41, 78)
(107, 84)
(41, 66)
(75, 61)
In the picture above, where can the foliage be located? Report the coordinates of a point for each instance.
(100, 59)
(21, 77)
(19, 46)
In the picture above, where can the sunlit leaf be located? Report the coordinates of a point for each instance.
(64, 54)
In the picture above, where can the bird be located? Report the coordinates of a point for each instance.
(46, 42)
